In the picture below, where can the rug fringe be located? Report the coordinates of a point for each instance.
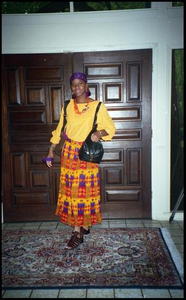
(173, 251)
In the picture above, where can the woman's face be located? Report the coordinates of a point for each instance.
(78, 87)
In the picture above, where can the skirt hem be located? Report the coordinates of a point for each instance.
(79, 225)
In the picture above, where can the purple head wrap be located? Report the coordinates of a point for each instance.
(78, 75)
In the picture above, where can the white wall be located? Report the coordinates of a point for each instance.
(159, 28)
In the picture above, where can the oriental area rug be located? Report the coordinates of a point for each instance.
(116, 257)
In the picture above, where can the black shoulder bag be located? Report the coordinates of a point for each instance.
(92, 151)
(60, 145)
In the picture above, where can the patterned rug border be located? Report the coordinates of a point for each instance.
(174, 253)
(92, 287)
(170, 246)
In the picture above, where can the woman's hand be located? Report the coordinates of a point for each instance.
(95, 137)
(49, 163)
(50, 155)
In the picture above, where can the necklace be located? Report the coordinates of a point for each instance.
(84, 109)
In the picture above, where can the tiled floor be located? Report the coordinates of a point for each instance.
(175, 228)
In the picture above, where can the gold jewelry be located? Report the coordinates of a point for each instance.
(84, 109)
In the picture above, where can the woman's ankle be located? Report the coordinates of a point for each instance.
(77, 229)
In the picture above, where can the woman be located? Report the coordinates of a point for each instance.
(79, 189)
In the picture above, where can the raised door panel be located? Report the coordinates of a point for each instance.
(13, 86)
(18, 168)
(134, 166)
(35, 95)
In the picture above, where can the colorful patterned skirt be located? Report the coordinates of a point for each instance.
(79, 188)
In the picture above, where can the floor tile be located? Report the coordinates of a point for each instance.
(154, 225)
(14, 226)
(173, 225)
(72, 293)
(175, 232)
(3, 225)
(51, 227)
(30, 227)
(52, 223)
(176, 293)
(117, 224)
(104, 224)
(17, 294)
(131, 221)
(32, 223)
(156, 293)
(45, 293)
(62, 226)
(100, 293)
(178, 239)
(128, 293)
(151, 223)
(179, 247)
(181, 224)
(133, 225)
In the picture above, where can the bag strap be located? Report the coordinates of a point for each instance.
(95, 117)
(65, 114)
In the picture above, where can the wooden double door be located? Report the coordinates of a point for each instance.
(35, 87)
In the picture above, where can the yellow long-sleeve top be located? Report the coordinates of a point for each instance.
(79, 126)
